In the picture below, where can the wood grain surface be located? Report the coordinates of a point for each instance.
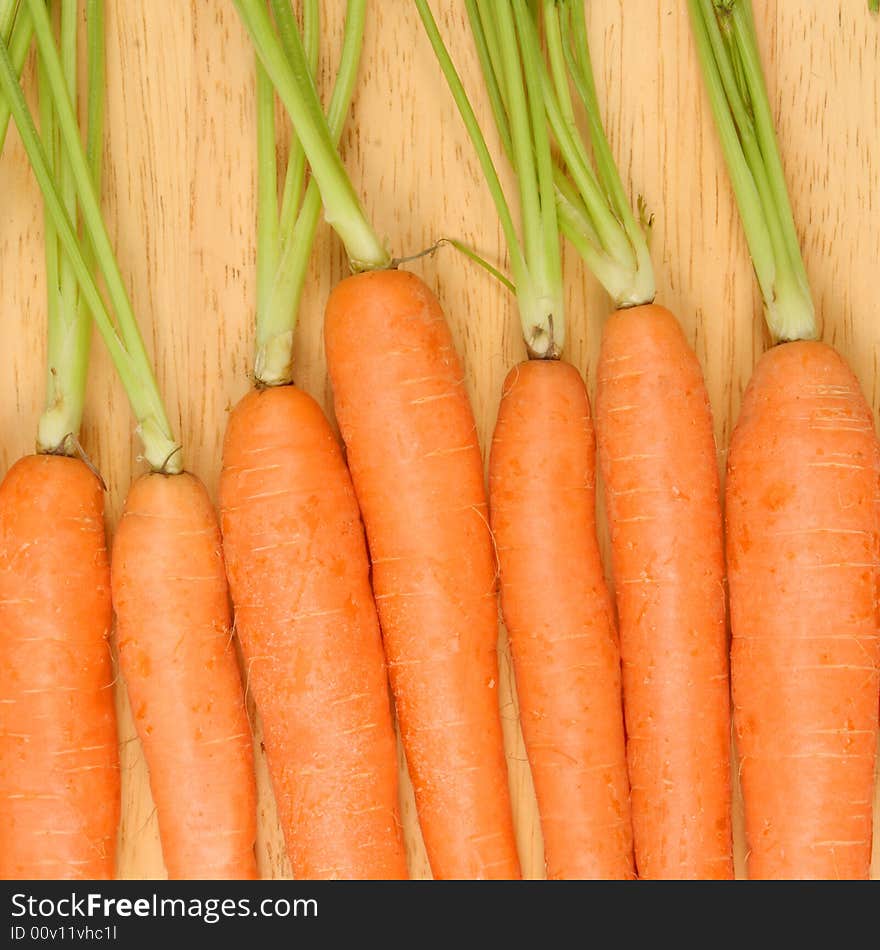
(179, 198)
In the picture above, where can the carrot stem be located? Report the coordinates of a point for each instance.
(8, 14)
(295, 175)
(267, 189)
(614, 245)
(276, 319)
(486, 42)
(472, 255)
(18, 40)
(69, 322)
(517, 258)
(724, 31)
(507, 47)
(296, 87)
(126, 346)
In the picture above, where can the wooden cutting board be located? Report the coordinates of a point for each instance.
(179, 197)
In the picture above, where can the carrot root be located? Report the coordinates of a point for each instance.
(657, 455)
(177, 655)
(558, 613)
(802, 546)
(59, 766)
(415, 462)
(299, 577)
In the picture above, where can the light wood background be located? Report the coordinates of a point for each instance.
(179, 198)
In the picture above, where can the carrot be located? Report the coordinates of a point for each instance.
(299, 575)
(297, 558)
(415, 462)
(415, 465)
(59, 766)
(554, 598)
(803, 523)
(59, 769)
(657, 456)
(177, 615)
(801, 539)
(168, 567)
(563, 640)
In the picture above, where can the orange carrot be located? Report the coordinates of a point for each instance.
(803, 522)
(657, 454)
(178, 660)
(299, 575)
(415, 463)
(59, 768)
(802, 531)
(560, 620)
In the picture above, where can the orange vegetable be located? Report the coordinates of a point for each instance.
(657, 454)
(802, 536)
(412, 448)
(177, 656)
(300, 579)
(560, 619)
(59, 767)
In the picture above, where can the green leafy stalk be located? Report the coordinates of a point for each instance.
(69, 322)
(724, 31)
(126, 347)
(480, 261)
(18, 41)
(509, 53)
(295, 85)
(874, 6)
(517, 257)
(594, 212)
(267, 188)
(8, 10)
(49, 131)
(296, 160)
(276, 320)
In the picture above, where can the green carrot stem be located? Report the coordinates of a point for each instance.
(66, 183)
(507, 47)
(267, 188)
(276, 324)
(126, 348)
(295, 85)
(580, 67)
(49, 132)
(546, 262)
(68, 323)
(517, 258)
(8, 10)
(295, 175)
(577, 228)
(520, 130)
(472, 255)
(614, 246)
(483, 30)
(727, 50)
(18, 43)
